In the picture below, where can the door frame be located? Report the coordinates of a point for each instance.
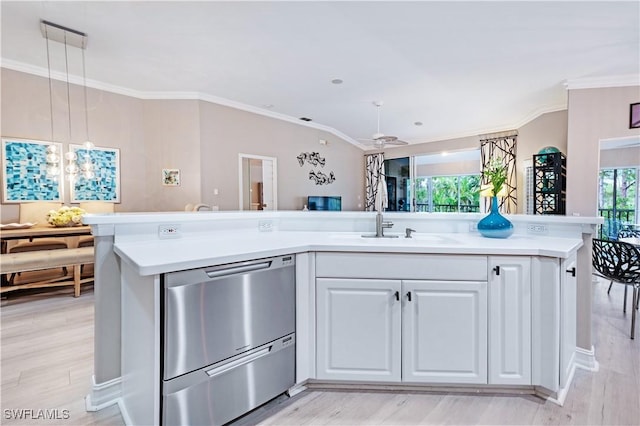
(274, 182)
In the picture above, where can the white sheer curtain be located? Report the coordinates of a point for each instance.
(374, 168)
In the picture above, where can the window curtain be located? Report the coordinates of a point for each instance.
(374, 168)
(501, 145)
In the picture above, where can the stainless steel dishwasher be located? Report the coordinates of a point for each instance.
(228, 339)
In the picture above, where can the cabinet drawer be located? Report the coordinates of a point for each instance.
(402, 266)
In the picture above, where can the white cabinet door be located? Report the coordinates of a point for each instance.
(358, 329)
(444, 332)
(567, 317)
(510, 320)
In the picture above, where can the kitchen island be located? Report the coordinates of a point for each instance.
(510, 305)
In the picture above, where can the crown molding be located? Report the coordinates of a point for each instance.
(145, 95)
(60, 76)
(602, 82)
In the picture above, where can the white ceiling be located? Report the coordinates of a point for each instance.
(460, 68)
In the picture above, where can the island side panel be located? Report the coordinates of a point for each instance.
(141, 347)
(545, 314)
(106, 363)
(305, 317)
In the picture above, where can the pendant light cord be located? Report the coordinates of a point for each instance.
(86, 108)
(50, 84)
(66, 60)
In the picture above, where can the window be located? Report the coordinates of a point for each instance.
(448, 193)
(617, 199)
(439, 182)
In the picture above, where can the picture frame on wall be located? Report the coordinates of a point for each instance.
(171, 177)
(105, 185)
(31, 171)
(634, 116)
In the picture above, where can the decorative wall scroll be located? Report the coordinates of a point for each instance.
(320, 178)
(105, 185)
(314, 159)
(25, 177)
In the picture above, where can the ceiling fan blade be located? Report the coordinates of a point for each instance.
(397, 142)
(380, 140)
(390, 140)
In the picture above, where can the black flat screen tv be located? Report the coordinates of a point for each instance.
(317, 202)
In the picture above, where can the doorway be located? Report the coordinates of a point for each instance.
(258, 182)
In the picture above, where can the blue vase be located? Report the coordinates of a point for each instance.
(494, 225)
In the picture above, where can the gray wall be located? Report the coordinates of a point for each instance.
(593, 115)
(201, 139)
(546, 129)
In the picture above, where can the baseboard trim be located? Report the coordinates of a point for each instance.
(329, 385)
(562, 393)
(586, 359)
(123, 412)
(103, 394)
(296, 389)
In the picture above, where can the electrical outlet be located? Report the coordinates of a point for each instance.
(265, 226)
(169, 231)
(473, 226)
(537, 228)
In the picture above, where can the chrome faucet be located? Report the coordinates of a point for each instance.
(381, 225)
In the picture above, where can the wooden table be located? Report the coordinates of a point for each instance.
(45, 231)
(70, 233)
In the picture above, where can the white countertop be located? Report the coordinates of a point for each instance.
(160, 256)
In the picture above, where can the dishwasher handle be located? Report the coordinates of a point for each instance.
(223, 271)
(246, 359)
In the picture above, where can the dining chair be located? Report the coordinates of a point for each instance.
(620, 262)
(628, 233)
(201, 207)
(36, 212)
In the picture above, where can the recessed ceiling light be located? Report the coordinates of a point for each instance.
(305, 119)
(337, 81)
(418, 123)
(268, 106)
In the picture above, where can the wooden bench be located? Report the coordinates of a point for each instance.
(48, 259)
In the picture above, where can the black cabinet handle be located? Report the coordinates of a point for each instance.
(409, 296)
(497, 270)
(397, 295)
(572, 271)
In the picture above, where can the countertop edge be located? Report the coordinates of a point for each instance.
(130, 252)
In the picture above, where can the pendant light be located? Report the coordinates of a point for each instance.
(69, 37)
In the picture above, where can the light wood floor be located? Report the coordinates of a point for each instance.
(47, 362)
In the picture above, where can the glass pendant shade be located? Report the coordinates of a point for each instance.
(53, 158)
(72, 168)
(53, 170)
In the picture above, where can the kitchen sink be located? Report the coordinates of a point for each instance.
(395, 238)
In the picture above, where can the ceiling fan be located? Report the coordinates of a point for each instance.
(380, 140)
